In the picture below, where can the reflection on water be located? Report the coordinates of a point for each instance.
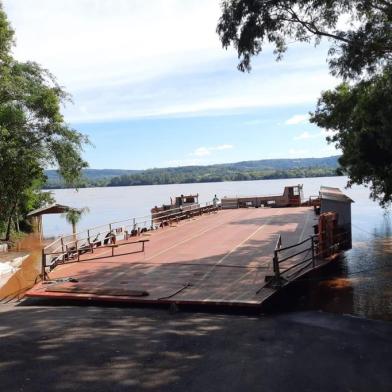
(360, 283)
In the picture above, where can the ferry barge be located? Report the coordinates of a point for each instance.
(215, 255)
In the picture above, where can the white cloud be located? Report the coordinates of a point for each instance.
(327, 132)
(201, 152)
(89, 43)
(297, 119)
(303, 136)
(135, 58)
(205, 151)
(314, 135)
(224, 147)
(307, 135)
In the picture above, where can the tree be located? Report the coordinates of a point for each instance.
(365, 45)
(361, 116)
(359, 110)
(33, 133)
(74, 215)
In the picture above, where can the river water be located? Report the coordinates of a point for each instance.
(359, 284)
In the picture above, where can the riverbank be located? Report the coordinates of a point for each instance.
(9, 263)
(90, 348)
(19, 269)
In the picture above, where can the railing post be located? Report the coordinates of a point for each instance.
(313, 258)
(276, 266)
(77, 250)
(91, 246)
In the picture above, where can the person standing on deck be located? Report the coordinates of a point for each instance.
(215, 200)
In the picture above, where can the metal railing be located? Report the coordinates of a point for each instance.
(292, 260)
(69, 248)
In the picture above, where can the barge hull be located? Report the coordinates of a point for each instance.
(222, 258)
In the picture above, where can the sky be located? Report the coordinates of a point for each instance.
(152, 87)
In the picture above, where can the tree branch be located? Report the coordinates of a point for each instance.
(312, 28)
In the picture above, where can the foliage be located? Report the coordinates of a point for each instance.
(360, 35)
(74, 215)
(89, 177)
(361, 115)
(33, 134)
(365, 44)
(207, 174)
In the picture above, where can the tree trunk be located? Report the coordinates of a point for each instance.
(16, 222)
(17, 216)
(9, 222)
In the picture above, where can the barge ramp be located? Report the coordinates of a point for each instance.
(218, 258)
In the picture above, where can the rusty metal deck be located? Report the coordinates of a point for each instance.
(219, 258)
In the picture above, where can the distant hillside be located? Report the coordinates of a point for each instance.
(90, 175)
(240, 171)
(331, 162)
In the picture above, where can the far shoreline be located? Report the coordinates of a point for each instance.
(188, 183)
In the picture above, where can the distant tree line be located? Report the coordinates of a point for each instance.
(200, 174)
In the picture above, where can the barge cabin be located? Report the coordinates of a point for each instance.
(292, 197)
(177, 206)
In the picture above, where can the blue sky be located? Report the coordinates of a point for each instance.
(152, 87)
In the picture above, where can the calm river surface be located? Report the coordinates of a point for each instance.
(359, 284)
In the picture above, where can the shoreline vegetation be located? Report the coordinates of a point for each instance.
(240, 171)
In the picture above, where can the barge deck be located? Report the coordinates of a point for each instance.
(221, 258)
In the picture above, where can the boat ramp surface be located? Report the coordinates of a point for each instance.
(221, 258)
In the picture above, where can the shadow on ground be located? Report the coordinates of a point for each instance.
(88, 348)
